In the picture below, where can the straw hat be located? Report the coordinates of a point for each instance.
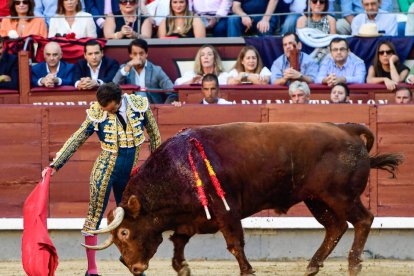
(368, 30)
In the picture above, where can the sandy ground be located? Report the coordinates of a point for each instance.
(201, 268)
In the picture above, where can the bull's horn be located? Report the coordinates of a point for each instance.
(118, 217)
(104, 245)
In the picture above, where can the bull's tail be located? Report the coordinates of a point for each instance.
(386, 161)
(361, 131)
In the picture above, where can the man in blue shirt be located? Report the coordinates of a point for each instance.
(342, 66)
(352, 7)
(283, 73)
(241, 23)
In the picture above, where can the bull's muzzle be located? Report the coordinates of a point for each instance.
(138, 268)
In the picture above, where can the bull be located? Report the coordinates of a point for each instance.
(260, 166)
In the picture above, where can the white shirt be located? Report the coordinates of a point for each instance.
(83, 25)
(48, 72)
(263, 73)
(220, 101)
(94, 74)
(189, 75)
(140, 77)
(386, 22)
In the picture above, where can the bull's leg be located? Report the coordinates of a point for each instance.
(362, 219)
(178, 262)
(233, 234)
(335, 227)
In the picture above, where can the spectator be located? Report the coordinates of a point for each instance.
(211, 90)
(207, 60)
(409, 27)
(213, 14)
(71, 19)
(340, 93)
(140, 71)
(9, 74)
(249, 68)
(96, 69)
(410, 77)
(317, 19)
(386, 23)
(282, 71)
(350, 8)
(403, 95)
(100, 8)
(296, 8)
(177, 26)
(124, 22)
(386, 67)
(341, 66)
(156, 11)
(45, 9)
(299, 92)
(53, 71)
(241, 23)
(22, 26)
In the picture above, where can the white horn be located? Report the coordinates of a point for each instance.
(104, 245)
(119, 216)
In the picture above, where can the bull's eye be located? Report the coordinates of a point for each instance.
(123, 233)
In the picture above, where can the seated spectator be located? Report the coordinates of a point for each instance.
(180, 23)
(100, 8)
(9, 74)
(410, 77)
(96, 69)
(316, 18)
(340, 93)
(207, 61)
(71, 19)
(249, 68)
(155, 11)
(341, 65)
(386, 67)
(282, 71)
(211, 90)
(53, 71)
(409, 27)
(124, 22)
(241, 23)
(350, 8)
(386, 23)
(45, 9)
(140, 71)
(296, 7)
(299, 92)
(403, 95)
(22, 26)
(212, 13)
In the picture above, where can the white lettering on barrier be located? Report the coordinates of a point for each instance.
(82, 103)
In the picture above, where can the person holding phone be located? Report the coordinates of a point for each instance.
(124, 23)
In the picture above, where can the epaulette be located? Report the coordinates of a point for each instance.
(96, 114)
(137, 103)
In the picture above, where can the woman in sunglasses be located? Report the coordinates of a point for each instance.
(315, 19)
(386, 67)
(185, 26)
(21, 26)
(123, 24)
(70, 19)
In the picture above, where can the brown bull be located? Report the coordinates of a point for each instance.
(260, 166)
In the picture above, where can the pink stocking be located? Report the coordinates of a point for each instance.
(90, 254)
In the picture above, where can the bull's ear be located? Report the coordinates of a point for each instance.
(134, 206)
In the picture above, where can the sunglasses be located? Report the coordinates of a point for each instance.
(320, 1)
(388, 52)
(24, 2)
(124, 2)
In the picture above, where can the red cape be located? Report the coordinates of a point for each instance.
(39, 256)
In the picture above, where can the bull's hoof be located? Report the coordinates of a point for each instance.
(185, 270)
(354, 270)
(310, 271)
(249, 273)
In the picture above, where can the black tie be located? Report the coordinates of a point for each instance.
(121, 119)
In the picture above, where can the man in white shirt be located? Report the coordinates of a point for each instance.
(386, 23)
(211, 90)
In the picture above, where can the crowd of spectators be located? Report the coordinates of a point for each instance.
(132, 19)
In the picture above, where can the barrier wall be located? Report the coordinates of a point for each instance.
(31, 136)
